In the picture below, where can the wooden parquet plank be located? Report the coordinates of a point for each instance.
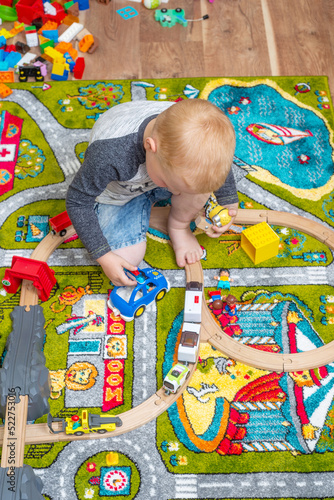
(234, 43)
(302, 33)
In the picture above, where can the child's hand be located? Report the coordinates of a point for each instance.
(218, 231)
(113, 266)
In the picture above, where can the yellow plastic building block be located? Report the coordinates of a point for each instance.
(59, 68)
(260, 242)
(55, 56)
(5, 33)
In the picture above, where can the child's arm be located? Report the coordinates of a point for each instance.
(227, 196)
(113, 266)
(90, 181)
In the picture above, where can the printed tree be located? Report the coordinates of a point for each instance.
(30, 160)
(100, 95)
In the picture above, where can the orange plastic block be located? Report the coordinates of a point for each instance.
(6, 76)
(70, 19)
(4, 90)
(49, 25)
(18, 27)
(86, 43)
(64, 47)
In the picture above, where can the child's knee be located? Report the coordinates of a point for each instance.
(134, 254)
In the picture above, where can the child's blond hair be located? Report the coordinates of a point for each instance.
(196, 141)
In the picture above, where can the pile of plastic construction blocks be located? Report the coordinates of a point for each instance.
(54, 28)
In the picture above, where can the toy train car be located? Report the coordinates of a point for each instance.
(176, 376)
(193, 302)
(189, 343)
(190, 338)
(59, 223)
(85, 423)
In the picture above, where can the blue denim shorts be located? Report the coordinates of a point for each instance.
(128, 224)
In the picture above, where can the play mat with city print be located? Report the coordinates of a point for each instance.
(236, 431)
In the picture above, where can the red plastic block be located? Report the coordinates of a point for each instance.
(27, 10)
(79, 68)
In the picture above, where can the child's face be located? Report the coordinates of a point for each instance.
(163, 178)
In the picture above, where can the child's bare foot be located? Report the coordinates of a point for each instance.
(186, 247)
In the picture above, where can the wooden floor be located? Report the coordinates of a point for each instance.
(240, 38)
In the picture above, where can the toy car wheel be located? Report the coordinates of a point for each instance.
(163, 11)
(140, 311)
(178, 9)
(79, 433)
(102, 431)
(161, 294)
(62, 232)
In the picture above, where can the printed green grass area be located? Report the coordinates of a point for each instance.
(227, 252)
(96, 462)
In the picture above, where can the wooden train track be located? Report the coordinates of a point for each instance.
(14, 432)
(210, 332)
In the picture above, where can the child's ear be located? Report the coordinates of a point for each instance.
(150, 144)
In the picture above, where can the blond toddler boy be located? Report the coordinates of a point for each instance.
(142, 152)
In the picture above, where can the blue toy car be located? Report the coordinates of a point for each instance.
(130, 302)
